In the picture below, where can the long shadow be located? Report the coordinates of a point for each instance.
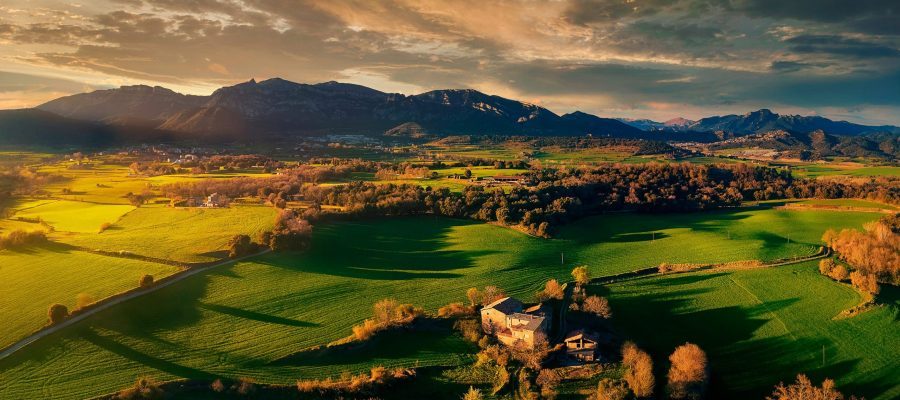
(660, 315)
(157, 363)
(395, 344)
(247, 314)
(399, 249)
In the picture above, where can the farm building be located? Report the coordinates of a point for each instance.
(511, 324)
(581, 345)
(519, 179)
(215, 200)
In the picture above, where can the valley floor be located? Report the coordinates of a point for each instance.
(246, 319)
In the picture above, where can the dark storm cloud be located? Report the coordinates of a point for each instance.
(694, 52)
(839, 45)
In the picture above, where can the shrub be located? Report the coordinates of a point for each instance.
(638, 370)
(217, 386)
(240, 245)
(245, 386)
(598, 306)
(366, 330)
(548, 380)
(146, 281)
(804, 389)
(687, 375)
(454, 310)
(57, 313)
(83, 300)
(609, 389)
(473, 394)
(144, 388)
(19, 238)
(362, 385)
(581, 275)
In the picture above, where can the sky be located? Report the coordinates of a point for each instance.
(655, 59)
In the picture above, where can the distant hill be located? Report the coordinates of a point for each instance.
(283, 108)
(818, 144)
(277, 108)
(33, 127)
(761, 121)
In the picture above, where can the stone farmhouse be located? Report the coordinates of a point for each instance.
(513, 324)
(581, 345)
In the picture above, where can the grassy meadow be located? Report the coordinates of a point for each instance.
(178, 234)
(763, 326)
(249, 319)
(32, 279)
(72, 216)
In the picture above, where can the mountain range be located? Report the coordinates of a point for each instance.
(760, 121)
(277, 108)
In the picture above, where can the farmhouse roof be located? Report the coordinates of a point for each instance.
(506, 305)
(533, 322)
(580, 334)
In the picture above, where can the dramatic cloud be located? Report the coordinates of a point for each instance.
(634, 58)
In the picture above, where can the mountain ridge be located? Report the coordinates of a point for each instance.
(277, 107)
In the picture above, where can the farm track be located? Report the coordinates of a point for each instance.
(114, 300)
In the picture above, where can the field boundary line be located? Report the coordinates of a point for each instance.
(763, 304)
(113, 301)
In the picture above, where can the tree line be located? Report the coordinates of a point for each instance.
(551, 197)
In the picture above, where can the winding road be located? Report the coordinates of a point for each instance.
(113, 301)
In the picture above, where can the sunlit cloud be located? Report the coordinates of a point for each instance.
(643, 58)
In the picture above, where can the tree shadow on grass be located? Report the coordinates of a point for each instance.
(252, 315)
(639, 237)
(607, 228)
(396, 344)
(402, 249)
(661, 314)
(132, 354)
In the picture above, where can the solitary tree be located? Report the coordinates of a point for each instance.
(552, 290)
(638, 370)
(474, 296)
(581, 275)
(57, 313)
(146, 280)
(597, 305)
(687, 375)
(491, 294)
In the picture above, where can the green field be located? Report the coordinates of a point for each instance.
(763, 326)
(816, 170)
(245, 319)
(72, 216)
(180, 234)
(32, 279)
(857, 203)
